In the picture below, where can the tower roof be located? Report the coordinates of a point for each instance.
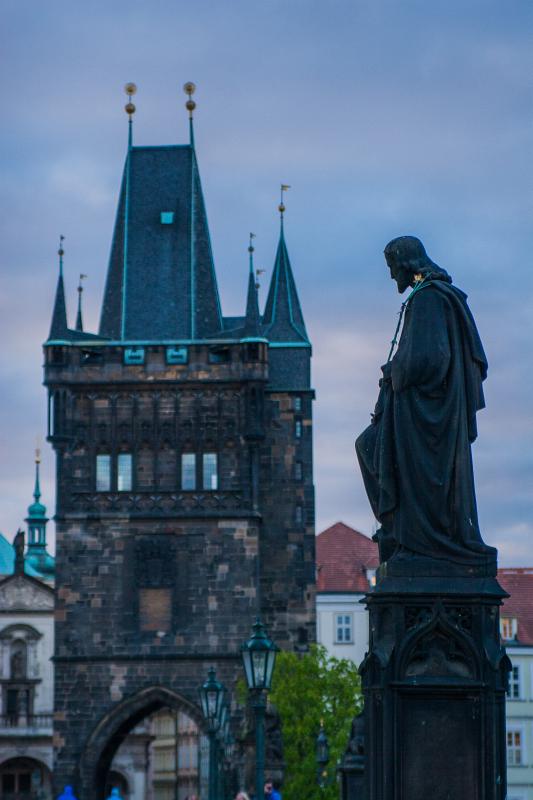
(161, 282)
(252, 320)
(59, 327)
(283, 319)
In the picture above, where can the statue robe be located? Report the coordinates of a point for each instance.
(415, 456)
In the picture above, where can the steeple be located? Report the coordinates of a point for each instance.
(161, 283)
(37, 555)
(59, 327)
(283, 319)
(252, 320)
(79, 318)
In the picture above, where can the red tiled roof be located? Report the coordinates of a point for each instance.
(518, 581)
(342, 557)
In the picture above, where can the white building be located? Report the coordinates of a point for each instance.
(346, 566)
(516, 627)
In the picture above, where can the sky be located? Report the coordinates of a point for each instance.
(385, 117)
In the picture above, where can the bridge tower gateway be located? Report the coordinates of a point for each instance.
(185, 501)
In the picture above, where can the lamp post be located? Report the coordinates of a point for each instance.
(259, 657)
(322, 757)
(211, 698)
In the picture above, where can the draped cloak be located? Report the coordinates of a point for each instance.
(415, 457)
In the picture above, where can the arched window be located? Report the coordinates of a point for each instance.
(18, 660)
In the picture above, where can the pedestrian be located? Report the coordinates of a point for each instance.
(242, 795)
(270, 792)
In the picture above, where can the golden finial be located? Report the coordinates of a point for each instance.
(37, 455)
(281, 207)
(130, 89)
(251, 246)
(189, 88)
(61, 252)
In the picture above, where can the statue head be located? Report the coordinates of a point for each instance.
(406, 257)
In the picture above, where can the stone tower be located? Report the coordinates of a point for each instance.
(185, 501)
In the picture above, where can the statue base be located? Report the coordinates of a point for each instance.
(434, 684)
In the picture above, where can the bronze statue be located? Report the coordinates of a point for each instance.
(415, 456)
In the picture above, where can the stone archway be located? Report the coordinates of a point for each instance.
(113, 728)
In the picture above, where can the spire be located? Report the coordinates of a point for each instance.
(189, 89)
(37, 556)
(79, 318)
(283, 318)
(59, 327)
(252, 322)
(129, 108)
(161, 282)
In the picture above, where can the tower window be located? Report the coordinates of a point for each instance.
(297, 403)
(103, 473)
(298, 471)
(299, 515)
(124, 472)
(188, 472)
(210, 474)
(298, 428)
(177, 355)
(219, 355)
(134, 355)
(167, 217)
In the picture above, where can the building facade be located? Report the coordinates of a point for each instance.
(185, 503)
(516, 628)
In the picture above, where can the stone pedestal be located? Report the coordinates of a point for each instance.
(434, 683)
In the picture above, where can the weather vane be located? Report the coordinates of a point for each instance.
(129, 108)
(281, 207)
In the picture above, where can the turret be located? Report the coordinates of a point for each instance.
(37, 555)
(59, 327)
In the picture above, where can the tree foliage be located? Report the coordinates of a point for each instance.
(307, 689)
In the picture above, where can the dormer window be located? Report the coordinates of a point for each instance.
(134, 355)
(167, 217)
(508, 628)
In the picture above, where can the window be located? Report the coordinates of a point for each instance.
(514, 747)
(167, 217)
(177, 355)
(188, 472)
(298, 471)
(219, 355)
(124, 472)
(514, 693)
(343, 628)
(210, 475)
(103, 473)
(299, 515)
(508, 628)
(298, 428)
(297, 403)
(134, 355)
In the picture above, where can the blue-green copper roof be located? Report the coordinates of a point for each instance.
(37, 558)
(283, 319)
(161, 281)
(36, 511)
(7, 560)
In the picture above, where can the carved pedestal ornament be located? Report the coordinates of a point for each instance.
(435, 676)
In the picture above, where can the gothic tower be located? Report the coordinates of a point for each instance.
(185, 501)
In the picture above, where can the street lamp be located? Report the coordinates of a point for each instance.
(322, 758)
(211, 698)
(259, 657)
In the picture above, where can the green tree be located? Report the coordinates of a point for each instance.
(307, 689)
